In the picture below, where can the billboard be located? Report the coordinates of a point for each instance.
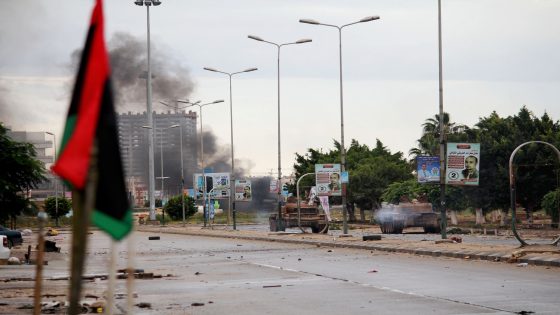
(427, 169)
(243, 190)
(273, 188)
(327, 179)
(217, 185)
(463, 161)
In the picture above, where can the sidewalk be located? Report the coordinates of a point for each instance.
(430, 245)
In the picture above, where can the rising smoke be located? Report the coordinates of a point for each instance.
(170, 81)
(128, 56)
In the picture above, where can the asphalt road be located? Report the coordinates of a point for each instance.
(228, 276)
(247, 277)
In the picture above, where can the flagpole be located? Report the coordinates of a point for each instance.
(39, 265)
(82, 203)
(112, 278)
(130, 273)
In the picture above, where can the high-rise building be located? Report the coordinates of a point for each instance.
(40, 143)
(133, 137)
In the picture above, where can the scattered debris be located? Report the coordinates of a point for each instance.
(239, 245)
(120, 296)
(522, 265)
(197, 273)
(152, 238)
(26, 307)
(457, 239)
(91, 296)
(51, 295)
(13, 261)
(50, 307)
(371, 237)
(197, 304)
(144, 305)
(210, 302)
(272, 286)
(299, 259)
(467, 257)
(372, 271)
(329, 251)
(26, 232)
(50, 246)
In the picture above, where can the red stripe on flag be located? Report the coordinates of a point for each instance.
(73, 162)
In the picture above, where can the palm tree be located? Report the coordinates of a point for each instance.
(429, 144)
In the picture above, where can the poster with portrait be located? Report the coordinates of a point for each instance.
(243, 191)
(327, 179)
(463, 162)
(427, 170)
(217, 185)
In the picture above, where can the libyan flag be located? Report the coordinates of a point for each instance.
(91, 121)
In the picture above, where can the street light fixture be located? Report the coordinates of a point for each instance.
(200, 106)
(151, 172)
(55, 179)
(279, 223)
(232, 179)
(342, 148)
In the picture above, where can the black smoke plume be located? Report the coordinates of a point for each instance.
(128, 56)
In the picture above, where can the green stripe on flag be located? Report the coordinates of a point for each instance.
(68, 130)
(118, 229)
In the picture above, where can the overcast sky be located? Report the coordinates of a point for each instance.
(497, 56)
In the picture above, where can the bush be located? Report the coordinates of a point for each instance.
(174, 208)
(64, 206)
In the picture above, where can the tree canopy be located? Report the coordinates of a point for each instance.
(371, 170)
(19, 172)
(536, 165)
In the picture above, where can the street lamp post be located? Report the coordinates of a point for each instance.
(200, 106)
(232, 178)
(55, 179)
(161, 164)
(279, 223)
(151, 172)
(342, 148)
(443, 216)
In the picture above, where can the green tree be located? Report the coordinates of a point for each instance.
(551, 205)
(174, 207)
(534, 165)
(370, 171)
(429, 143)
(20, 171)
(64, 206)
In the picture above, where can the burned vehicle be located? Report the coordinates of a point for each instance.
(310, 216)
(392, 219)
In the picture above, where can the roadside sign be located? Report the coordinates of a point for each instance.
(427, 169)
(463, 161)
(243, 190)
(217, 185)
(327, 179)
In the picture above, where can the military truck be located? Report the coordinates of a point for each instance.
(393, 219)
(310, 216)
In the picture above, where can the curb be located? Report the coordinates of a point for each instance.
(530, 259)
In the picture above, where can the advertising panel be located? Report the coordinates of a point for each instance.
(427, 169)
(463, 160)
(217, 185)
(273, 188)
(327, 179)
(243, 191)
